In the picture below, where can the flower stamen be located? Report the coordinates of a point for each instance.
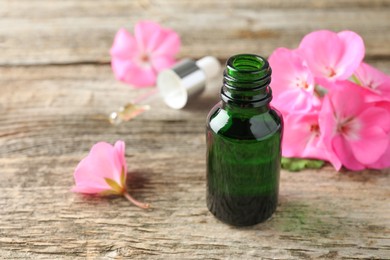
(331, 71)
(349, 128)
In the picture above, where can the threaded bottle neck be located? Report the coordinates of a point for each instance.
(246, 81)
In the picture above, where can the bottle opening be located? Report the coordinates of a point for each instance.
(247, 62)
(247, 67)
(246, 80)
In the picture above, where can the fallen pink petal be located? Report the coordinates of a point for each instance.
(104, 172)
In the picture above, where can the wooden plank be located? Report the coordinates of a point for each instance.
(46, 32)
(51, 115)
(101, 8)
(321, 214)
(72, 8)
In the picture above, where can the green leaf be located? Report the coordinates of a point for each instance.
(297, 164)
(114, 185)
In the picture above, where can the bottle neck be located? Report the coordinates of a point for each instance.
(246, 83)
(247, 110)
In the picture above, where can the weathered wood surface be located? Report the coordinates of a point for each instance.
(53, 110)
(46, 32)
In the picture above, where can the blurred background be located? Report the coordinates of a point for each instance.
(55, 74)
(57, 89)
(36, 32)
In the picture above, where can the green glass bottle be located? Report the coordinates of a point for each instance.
(244, 136)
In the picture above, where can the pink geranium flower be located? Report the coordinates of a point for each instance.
(303, 138)
(293, 83)
(335, 107)
(104, 172)
(374, 80)
(384, 161)
(332, 56)
(356, 131)
(137, 59)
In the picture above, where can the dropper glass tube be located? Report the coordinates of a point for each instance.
(176, 86)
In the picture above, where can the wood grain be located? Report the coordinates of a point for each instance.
(56, 90)
(52, 115)
(321, 214)
(63, 32)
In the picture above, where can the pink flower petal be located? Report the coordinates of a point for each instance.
(344, 152)
(152, 38)
(376, 116)
(88, 189)
(321, 50)
(384, 161)
(136, 60)
(373, 135)
(120, 148)
(101, 161)
(383, 104)
(375, 81)
(356, 131)
(371, 146)
(104, 161)
(85, 176)
(347, 100)
(144, 31)
(160, 63)
(289, 70)
(353, 53)
(120, 67)
(124, 46)
(292, 82)
(295, 100)
(295, 136)
(133, 74)
(170, 45)
(334, 159)
(332, 56)
(301, 138)
(328, 125)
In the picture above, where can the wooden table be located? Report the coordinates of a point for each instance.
(56, 88)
